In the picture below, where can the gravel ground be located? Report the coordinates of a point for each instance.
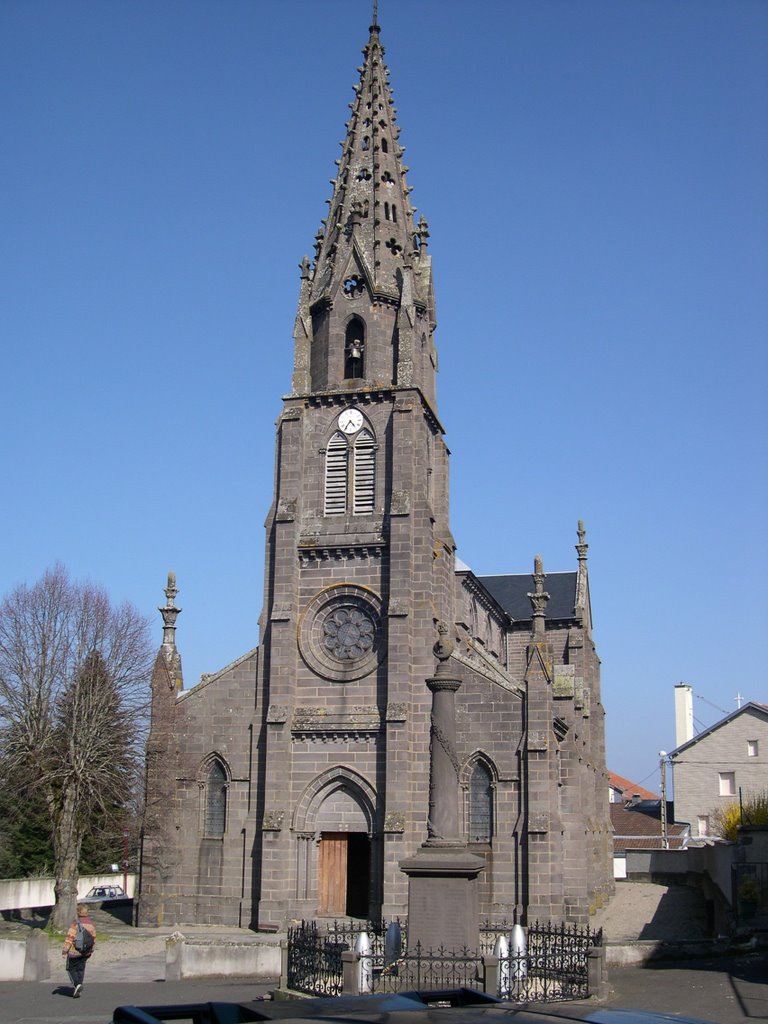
(643, 910)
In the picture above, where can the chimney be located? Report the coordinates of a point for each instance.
(683, 713)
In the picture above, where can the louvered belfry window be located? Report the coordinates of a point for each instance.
(365, 472)
(336, 462)
(480, 804)
(358, 493)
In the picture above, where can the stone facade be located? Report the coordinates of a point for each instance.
(293, 783)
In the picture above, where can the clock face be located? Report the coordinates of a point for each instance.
(350, 421)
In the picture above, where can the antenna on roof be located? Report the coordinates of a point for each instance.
(739, 699)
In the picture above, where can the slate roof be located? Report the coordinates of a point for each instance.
(511, 592)
(638, 827)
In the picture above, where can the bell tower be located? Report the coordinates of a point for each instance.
(359, 554)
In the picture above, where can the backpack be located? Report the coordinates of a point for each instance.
(83, 941)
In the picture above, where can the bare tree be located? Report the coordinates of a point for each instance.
(73, 699)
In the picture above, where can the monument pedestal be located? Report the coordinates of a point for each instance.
(442, 898)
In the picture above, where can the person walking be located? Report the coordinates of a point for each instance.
(79, 944)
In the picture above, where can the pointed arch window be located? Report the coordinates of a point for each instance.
(480, 811)
(350, 474)
(215, 821)
(354, 349)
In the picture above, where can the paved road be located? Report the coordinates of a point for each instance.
(41, 1002)
(727, 990)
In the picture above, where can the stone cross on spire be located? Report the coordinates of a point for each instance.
(169, 611)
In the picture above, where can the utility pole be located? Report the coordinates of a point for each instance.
(664, 826)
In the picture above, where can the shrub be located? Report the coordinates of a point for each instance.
(753, 811)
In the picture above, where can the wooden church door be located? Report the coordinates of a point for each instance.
(332, 874)
(343, 874)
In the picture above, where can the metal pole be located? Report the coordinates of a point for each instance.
(125, 861)
(664, 826)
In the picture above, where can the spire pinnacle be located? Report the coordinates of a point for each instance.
(375, 19)
(169, 611)
(539, 597)
(581, 577)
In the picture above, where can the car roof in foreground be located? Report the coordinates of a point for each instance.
(461, 1005)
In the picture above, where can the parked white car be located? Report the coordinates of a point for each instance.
(104, 893)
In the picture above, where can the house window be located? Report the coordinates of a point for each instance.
(702, 824)
(216, 800)
(727, 783)
(355, 491)
(480, 817)
(751, 748)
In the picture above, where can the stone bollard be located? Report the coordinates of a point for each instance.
(597, 973)
(174, 946)
(36, 964)
(491, 976)
(283, 964)
(350, 973)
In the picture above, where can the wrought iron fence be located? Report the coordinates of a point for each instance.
(552, 966)
(490, 931)
(420, 968)
(315, 966)
(314, 961)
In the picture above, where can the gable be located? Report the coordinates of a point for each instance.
(730, 728)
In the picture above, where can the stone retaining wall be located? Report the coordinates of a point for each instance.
(201, 958)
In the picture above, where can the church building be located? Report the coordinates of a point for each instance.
(293, 782)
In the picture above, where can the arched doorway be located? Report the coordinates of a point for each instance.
(338, 808)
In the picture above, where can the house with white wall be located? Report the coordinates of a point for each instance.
(715, 767)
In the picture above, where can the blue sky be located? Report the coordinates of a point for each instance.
(594, 174)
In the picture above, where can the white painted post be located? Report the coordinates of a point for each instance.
(518, 948)
(365, 965)
(501, 951)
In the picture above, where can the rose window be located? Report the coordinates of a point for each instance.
(348, 634)
(340, 633)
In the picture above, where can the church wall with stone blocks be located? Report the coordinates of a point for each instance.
(295, 781)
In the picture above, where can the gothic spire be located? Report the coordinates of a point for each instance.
(370, 221)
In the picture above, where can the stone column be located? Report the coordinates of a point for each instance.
(442, 876)
(443, 819)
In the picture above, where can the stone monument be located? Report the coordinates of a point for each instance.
(442, 876)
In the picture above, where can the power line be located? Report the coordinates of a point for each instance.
(715, 706)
